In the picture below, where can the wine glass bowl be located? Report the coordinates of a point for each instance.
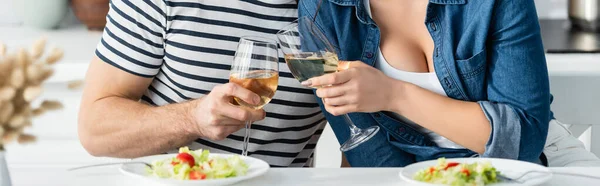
(255, 67)
(261, 82)
(306, 50)
(308, 53)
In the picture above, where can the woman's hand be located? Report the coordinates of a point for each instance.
(360, 88)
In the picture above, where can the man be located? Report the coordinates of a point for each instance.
(160, 81)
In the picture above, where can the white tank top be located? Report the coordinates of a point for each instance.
(427, 81)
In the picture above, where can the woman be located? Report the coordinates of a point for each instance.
(443, 78)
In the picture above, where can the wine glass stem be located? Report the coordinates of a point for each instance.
(353, 129)
(246, 139)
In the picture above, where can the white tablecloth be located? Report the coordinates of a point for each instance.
(105, 176)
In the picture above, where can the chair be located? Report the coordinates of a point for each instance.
(577, 103)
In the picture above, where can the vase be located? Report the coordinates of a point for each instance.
(46, 14)
(4, 174)
(92, 13)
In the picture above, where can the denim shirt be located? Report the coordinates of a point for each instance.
(486, 51)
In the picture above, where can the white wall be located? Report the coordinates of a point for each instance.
(10, 11)
(7, 12)
(552, 9)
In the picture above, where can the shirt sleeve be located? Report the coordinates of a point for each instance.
(518, 105)
(133, 37)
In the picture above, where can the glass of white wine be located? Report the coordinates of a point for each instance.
(308, 53)
(256, 68)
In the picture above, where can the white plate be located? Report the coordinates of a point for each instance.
(256, 168)
(508, 168)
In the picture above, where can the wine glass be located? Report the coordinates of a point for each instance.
(256, 68)
(308, 54)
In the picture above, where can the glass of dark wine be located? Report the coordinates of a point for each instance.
(308, 53)
(256, 68)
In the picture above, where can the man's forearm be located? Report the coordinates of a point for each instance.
(120, 127)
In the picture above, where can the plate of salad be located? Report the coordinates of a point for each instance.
(474, 172)
(198, 167)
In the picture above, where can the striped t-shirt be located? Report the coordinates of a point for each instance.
(187, 46)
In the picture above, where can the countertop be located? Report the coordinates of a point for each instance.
(275, 176)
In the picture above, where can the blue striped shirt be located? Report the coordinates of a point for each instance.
(187, 46)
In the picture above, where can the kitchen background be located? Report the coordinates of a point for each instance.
(575, 82)
(551, 9)
(547, 9)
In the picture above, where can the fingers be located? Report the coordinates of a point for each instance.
(331, 91)
(340, 110)
(219, 129)
(234, 90)
(225, 121)
(241, 114)
(338, 101)
(354, 64)
(329, 79)
(221, 132)
(231, 129)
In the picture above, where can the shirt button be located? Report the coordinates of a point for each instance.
(432, 24)
(447, 82)
(369, 55)
(377, 115)
(401, 130)
(437, 52)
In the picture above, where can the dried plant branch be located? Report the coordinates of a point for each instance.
(54, 56)
(38, 112)
(26, 138)
(21, 76)
(38, 48)
(7, 93)
(32, 93)
(2, 49)
(23, 58)
(75, 84)
(17, 78)
(51, 105)
(6, 110)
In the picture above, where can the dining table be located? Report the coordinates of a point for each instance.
(57, 175)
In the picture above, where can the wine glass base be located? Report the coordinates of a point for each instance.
(359, 138)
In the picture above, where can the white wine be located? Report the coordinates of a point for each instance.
(261, 82)
(309, 64)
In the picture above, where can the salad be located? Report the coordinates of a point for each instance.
(457, 174)
(198, 165)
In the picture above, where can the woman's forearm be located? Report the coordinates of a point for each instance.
(134, 129)
(462, 122)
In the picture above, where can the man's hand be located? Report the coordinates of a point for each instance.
(160, 128)
(215, 117)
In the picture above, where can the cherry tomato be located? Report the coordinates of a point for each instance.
(466, 172)
(451, 164)
(197, 175)
(431, 170)
(186, 158)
